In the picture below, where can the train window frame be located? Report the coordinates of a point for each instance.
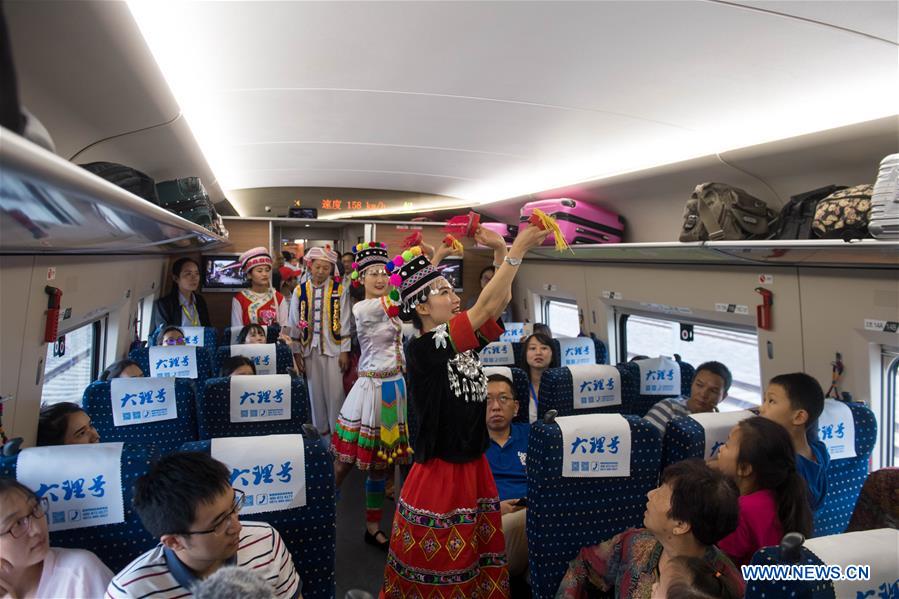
(546, 304)
(145, 317)
(889, 411)
(96, 348)
(730, 403)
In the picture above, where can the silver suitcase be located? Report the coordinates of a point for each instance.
(884, 218)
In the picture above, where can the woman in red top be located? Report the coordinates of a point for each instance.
(260, 304)
(774, 498)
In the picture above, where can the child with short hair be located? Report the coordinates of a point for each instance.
(795, 401)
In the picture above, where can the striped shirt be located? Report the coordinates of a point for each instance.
(159, 573)
(665, 411)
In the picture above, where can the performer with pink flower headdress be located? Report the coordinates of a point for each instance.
(320, 318)
(260, 304)
(447, 532)
(371, 428)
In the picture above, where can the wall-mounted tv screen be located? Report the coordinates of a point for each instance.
(451, 269)
(217, 277)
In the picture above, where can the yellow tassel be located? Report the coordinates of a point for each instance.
(549, 223)
(389, 460)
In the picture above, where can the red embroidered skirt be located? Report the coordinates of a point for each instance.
(447, 535)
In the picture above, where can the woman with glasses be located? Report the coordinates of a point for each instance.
(183, 306)
(371, 428)
(172, 336)
(29, 567)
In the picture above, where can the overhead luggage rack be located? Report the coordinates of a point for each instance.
(866, 253)
(51, 206)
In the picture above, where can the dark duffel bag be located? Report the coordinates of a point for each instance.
(795, 220)
(180, 190)
(127, 178)
(200, 212)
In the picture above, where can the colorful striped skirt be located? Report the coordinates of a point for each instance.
(447, 538)
(371, 428)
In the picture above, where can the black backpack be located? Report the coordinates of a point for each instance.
(795, 219)
(127, 178)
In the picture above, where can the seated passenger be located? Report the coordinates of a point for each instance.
(795, 401)
(506, 454)
(692, 578)
(691, 510)
(538, 355)
(29, 567)
(172, 336)
(252, 333)
(759, 457)
(186, 500)
(710, 386)
(124, 369)
(65, 423)
(237, 365)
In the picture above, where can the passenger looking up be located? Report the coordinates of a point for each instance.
(65, 423)
(252, 333)
(691, 510)
(371, 431)
(506, 454)
(260, 304)
(538, 356)
(774, 499)
(171, 336)
(693, 578)
(29, 567)
(432, 549)
(124, 369)
(483, 278)
(320, 317)
(186, 501)
(183, 306)
(237, 366)
(795, 401)
(710, 385)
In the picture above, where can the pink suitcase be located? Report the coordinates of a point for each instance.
(580, 222)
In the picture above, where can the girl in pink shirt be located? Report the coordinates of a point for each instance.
(773, 496)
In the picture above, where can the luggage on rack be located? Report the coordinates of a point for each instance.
(718, 212)
(884, 220)
(129, 179)
(795, 220)
(579, 221)
(187, 198)
(844, 214)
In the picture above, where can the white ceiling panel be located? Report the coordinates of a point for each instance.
(489, 100)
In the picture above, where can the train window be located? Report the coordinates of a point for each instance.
(889, 441)
(561, 316)
(735, 348)
(66, 375)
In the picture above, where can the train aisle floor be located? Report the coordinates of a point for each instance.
(359, 565)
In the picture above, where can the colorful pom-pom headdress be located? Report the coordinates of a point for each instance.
(412, 274)
(367, 254)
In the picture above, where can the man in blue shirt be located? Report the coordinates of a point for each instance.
(507, 454)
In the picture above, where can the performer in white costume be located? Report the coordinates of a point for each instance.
(320, 312)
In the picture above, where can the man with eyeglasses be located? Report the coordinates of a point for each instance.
(186, 500)
(506, 455)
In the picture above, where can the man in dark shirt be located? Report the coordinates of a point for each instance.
(507, 454)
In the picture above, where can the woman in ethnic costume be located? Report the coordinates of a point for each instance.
(447, 532)
(371, 428)
(260, 304)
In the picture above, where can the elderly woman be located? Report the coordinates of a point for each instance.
(693, 508)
